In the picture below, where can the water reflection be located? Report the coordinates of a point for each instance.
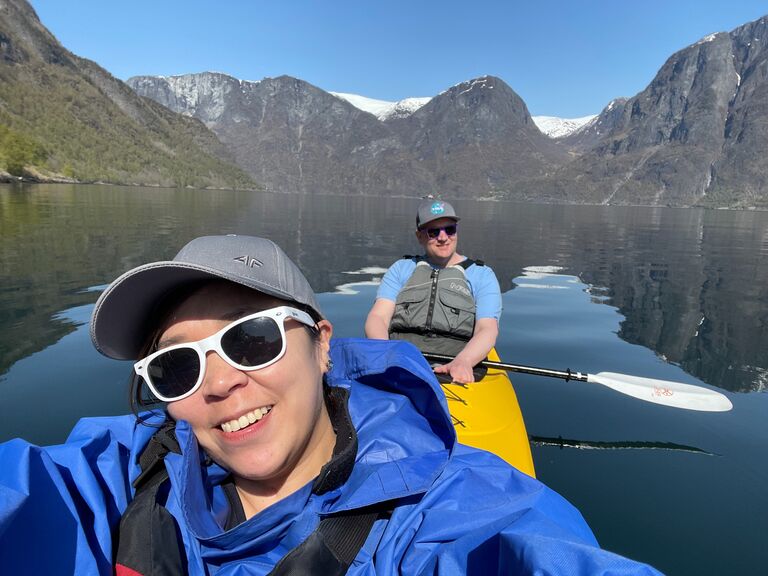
(692, 284)
(634, 459)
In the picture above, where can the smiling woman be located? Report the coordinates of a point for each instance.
(272, 449)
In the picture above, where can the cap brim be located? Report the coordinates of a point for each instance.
(121, 317)
(423, 224)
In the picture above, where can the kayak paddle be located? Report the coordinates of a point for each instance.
(675, 394)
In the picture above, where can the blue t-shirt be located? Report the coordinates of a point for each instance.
(481, 279)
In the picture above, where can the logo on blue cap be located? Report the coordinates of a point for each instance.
(437, 208)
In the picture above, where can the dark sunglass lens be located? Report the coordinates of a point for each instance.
(450, 230)
(175, 372)
(253, 343)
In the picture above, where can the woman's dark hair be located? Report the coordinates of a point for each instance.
(140, 396)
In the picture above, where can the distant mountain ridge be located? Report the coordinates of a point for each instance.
(693, 137)
(295, 137)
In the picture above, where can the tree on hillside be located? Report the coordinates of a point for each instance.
(18, 151)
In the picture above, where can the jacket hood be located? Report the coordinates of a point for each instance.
(405, 433)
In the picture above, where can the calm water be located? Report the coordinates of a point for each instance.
(674, 294)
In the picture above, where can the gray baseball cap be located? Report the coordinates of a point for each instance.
(122, 319)
(432, 209)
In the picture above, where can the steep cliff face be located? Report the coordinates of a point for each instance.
(740, 174)
(91, 125)
(694, 136)
(659, 147)
(671, 134)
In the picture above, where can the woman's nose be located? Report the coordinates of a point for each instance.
(221, 379)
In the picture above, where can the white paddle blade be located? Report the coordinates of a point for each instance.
(664, 392)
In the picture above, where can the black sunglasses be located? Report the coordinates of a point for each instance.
(450, 230)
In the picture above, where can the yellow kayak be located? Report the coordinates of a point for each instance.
(487, 415)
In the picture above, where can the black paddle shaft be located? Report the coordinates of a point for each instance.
(564, 375)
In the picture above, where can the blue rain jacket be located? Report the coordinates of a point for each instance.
(459, 510)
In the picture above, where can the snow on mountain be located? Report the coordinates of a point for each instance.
(384, 109)
(555, 127)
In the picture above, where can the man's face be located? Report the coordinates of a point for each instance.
(439, 245)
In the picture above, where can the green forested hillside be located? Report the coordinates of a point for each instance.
(18, 151)
(65, 117)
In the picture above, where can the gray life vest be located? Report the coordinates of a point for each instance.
(435, 309)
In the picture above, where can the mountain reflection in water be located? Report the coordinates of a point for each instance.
(691, 284)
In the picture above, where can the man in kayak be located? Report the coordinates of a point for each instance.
(442, 302)
(272, 449)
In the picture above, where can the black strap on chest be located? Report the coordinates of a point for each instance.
(466, 263)
(149, 542)
(331, 548)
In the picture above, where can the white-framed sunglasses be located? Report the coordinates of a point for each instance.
(250, 343)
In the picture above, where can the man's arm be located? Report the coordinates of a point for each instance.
(483, 339)
(377, 323)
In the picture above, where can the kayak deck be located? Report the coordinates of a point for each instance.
(487, 415)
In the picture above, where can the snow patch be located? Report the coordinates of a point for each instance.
(555, 127)
(708, 38)
(383, 109)
(479, 82)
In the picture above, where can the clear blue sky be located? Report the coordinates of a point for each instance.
(565, 58)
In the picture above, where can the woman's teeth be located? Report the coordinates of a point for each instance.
(246, 419)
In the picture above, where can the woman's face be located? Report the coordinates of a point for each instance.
(292, 436)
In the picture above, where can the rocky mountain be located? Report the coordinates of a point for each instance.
(290, 135)
(478, 139)
(65, 117)
(589, 134)
(695, 136)
(472, 140)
